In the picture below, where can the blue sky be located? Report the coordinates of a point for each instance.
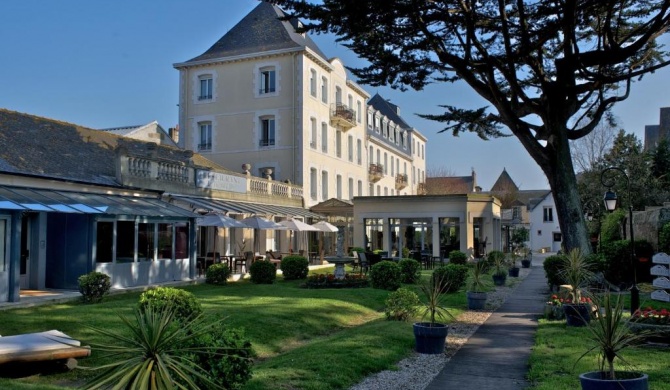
(109, 63)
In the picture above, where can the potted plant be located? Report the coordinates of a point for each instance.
(611, 334)
(513, 269)
(430, 337)
(476, 294)
(525, 257)
(499, 272)
(577, 274)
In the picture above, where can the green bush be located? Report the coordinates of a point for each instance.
(664, 238)
(619, 270)
(93, 286)
(610, 230)
(184, 304)
(385, 275)
(552, 270)
(217, 274)
(401, 304)
(491, 259)
(294, 267)
(597, 261)
(263, 272)
(453, 276)
(458, 257)
(224, 354)
(410, 270)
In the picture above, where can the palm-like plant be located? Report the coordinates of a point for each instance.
(611, 334)
(476, 282)
(577, 272)
(433, 306)
(155, 356)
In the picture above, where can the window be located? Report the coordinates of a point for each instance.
(376, 121)
(324, 185)
(267, 80)
(404, 140)
(379, 190)
(338, 186)
(391, 134)
(539, 232)
(338, 95)
(516, 212)
(206, 84)
(351, 188)
(392, 168)
(104, 242)
(404, 167)
(369, 120)
(165, 241)
(350, 101)
(338, 143)
(379, 160)
(371, 189)
(350, 148)
(312, 139)
(324, 89)
(423, 152)
(372, 156)
(358, 111)
(205, 136)
(386, 170)
(312, 183)
(548, 214)
(360, 188)
(397, 136)
(267, 131)
(145, 241)
(386, 191)
(324, 137)
(312, 82)
(385, 129)
(359, 152)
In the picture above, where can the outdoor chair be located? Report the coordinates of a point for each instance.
(355, 265)
(363, 263)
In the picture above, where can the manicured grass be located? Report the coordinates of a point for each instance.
(554, 366)
(304, 338)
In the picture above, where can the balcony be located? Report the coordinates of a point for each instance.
(400, 181)
(342, 116)
(421, 189)
(376, 172)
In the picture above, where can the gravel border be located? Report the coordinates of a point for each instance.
(417, 371)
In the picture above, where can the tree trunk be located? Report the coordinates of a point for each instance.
(561, 175)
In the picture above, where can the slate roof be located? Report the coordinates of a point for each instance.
(389, 110)
(504, 183)
(39, 146)
(259, 31)
(450, 185)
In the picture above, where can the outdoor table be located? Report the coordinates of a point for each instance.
(339, 264)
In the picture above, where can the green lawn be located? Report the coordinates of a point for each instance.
(304, 338)
(554, 366)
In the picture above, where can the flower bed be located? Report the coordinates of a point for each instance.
(329, 281)
(553, 310)
(655, 322)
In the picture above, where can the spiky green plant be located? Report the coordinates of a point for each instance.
(433, 306)
(476, 281)
(155, 356)
(611, 334)
(577, 272)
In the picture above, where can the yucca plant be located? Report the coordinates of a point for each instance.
(155, 356)
(611, 334)
(433, 306)
(577, 272)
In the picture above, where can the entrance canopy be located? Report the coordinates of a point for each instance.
(237, 207)
(36, 199)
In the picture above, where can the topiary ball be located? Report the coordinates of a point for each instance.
(184, 304)
(217, 274)
(263, 272)
(294, 267)
(385, 275)
(93, 286)
(410, 270)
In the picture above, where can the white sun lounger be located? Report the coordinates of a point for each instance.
(51, 345)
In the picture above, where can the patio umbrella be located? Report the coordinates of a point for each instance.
(219, 220)
(260, 223)
(325, 227)
(299, 226)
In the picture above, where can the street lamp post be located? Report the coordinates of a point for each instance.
(610, 200)
(591, 212)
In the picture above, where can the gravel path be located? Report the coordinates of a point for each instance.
(418, 370)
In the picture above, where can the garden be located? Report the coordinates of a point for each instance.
(300, 336)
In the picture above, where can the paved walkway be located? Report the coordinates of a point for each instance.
(496, 355)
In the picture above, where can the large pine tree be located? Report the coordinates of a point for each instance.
(551, 70)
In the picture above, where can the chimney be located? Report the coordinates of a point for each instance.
(173, 132)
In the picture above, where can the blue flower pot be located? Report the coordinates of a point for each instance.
(430, 339)
(577, 314)
(597, 380)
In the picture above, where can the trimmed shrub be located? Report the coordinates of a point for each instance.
(410, 271)
(385, 275)
(619, 270)
(184, 304)
(263, 272)
(453, 276)
(610, 230)
(93, 286)
(401, 304)
(225, 355)
(294, 267)
(458, 257)
(552, 270)
(664, 238)
(217, 274)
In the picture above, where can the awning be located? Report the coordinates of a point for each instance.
(35, 199)
(238, 207)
